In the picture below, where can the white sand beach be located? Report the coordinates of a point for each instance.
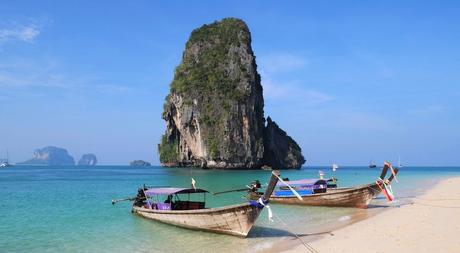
(430, 224)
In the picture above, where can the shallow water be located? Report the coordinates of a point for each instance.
(68, 209)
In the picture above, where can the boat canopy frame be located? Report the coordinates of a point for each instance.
(172, 191)
(173, 194)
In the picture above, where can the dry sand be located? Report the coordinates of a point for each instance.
(430, 224)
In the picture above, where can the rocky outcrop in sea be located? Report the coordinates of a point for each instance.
(214, 112)
(88, 160)
(280, 150)
(50, 156)
(139, 163)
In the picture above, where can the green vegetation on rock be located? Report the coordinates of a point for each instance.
(168, 150)
(212, 72)
(204, 69)
(213, 147)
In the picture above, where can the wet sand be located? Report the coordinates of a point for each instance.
(429, 223)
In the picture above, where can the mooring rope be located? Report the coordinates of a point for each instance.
(413, 202)
(431, 205)
(306, 245)
(415, 197)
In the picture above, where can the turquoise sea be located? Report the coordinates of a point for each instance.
(68, 209)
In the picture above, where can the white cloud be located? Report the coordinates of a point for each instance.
(29, 76)
(281, 62)
(111, 88)
(292, 91)
(429, 110)
(24, 73)
(362, 121)
(26, 33)
(281, 87)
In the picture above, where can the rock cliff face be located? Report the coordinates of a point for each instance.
(214, 112)
(88, 160)
(50, 156)
(280, 150)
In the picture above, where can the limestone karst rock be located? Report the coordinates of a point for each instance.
(280, 150)
(214, 113)
(88, 160)
(139, 163)
(50, 156)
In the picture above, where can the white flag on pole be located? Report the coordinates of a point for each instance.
(193, 184)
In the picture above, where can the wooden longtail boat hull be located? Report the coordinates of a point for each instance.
(233, 220)
(359, 197)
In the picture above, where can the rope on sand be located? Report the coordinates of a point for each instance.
(436, 199)
(414, 202)
(431, 205)
(306, 245)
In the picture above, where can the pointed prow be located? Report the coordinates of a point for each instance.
(385, 168)
(272, 184)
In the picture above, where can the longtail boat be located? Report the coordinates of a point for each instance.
(234, 220)
(316, 192)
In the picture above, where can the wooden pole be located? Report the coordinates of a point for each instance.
(272, 184)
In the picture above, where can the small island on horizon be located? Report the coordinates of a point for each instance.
(50, 155)
(139, 163)
(56, 156)
(88, 160)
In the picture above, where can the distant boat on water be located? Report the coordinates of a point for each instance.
(399, 162)
(5, 162)
(372, 165)
(335, 167)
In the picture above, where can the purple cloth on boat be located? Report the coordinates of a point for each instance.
(170, 191)
(299, 182)
(163, 206)
(163, 191)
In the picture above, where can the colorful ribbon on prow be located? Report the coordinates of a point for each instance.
(385, 184)
(392, 170)
(261, 203)
(270, 213)
(386, 189)
(193, 183)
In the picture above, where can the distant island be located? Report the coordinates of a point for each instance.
(214, 112)
(139, 163)
(50, 156)
(88, 160)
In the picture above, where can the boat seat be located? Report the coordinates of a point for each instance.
(163, 206)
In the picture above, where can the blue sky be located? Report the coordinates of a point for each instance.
(350, 81)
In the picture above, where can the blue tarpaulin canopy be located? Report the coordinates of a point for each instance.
(304, 192)
(303, 182)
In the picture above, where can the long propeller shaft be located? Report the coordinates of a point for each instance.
(236, 190)
(114, 201)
